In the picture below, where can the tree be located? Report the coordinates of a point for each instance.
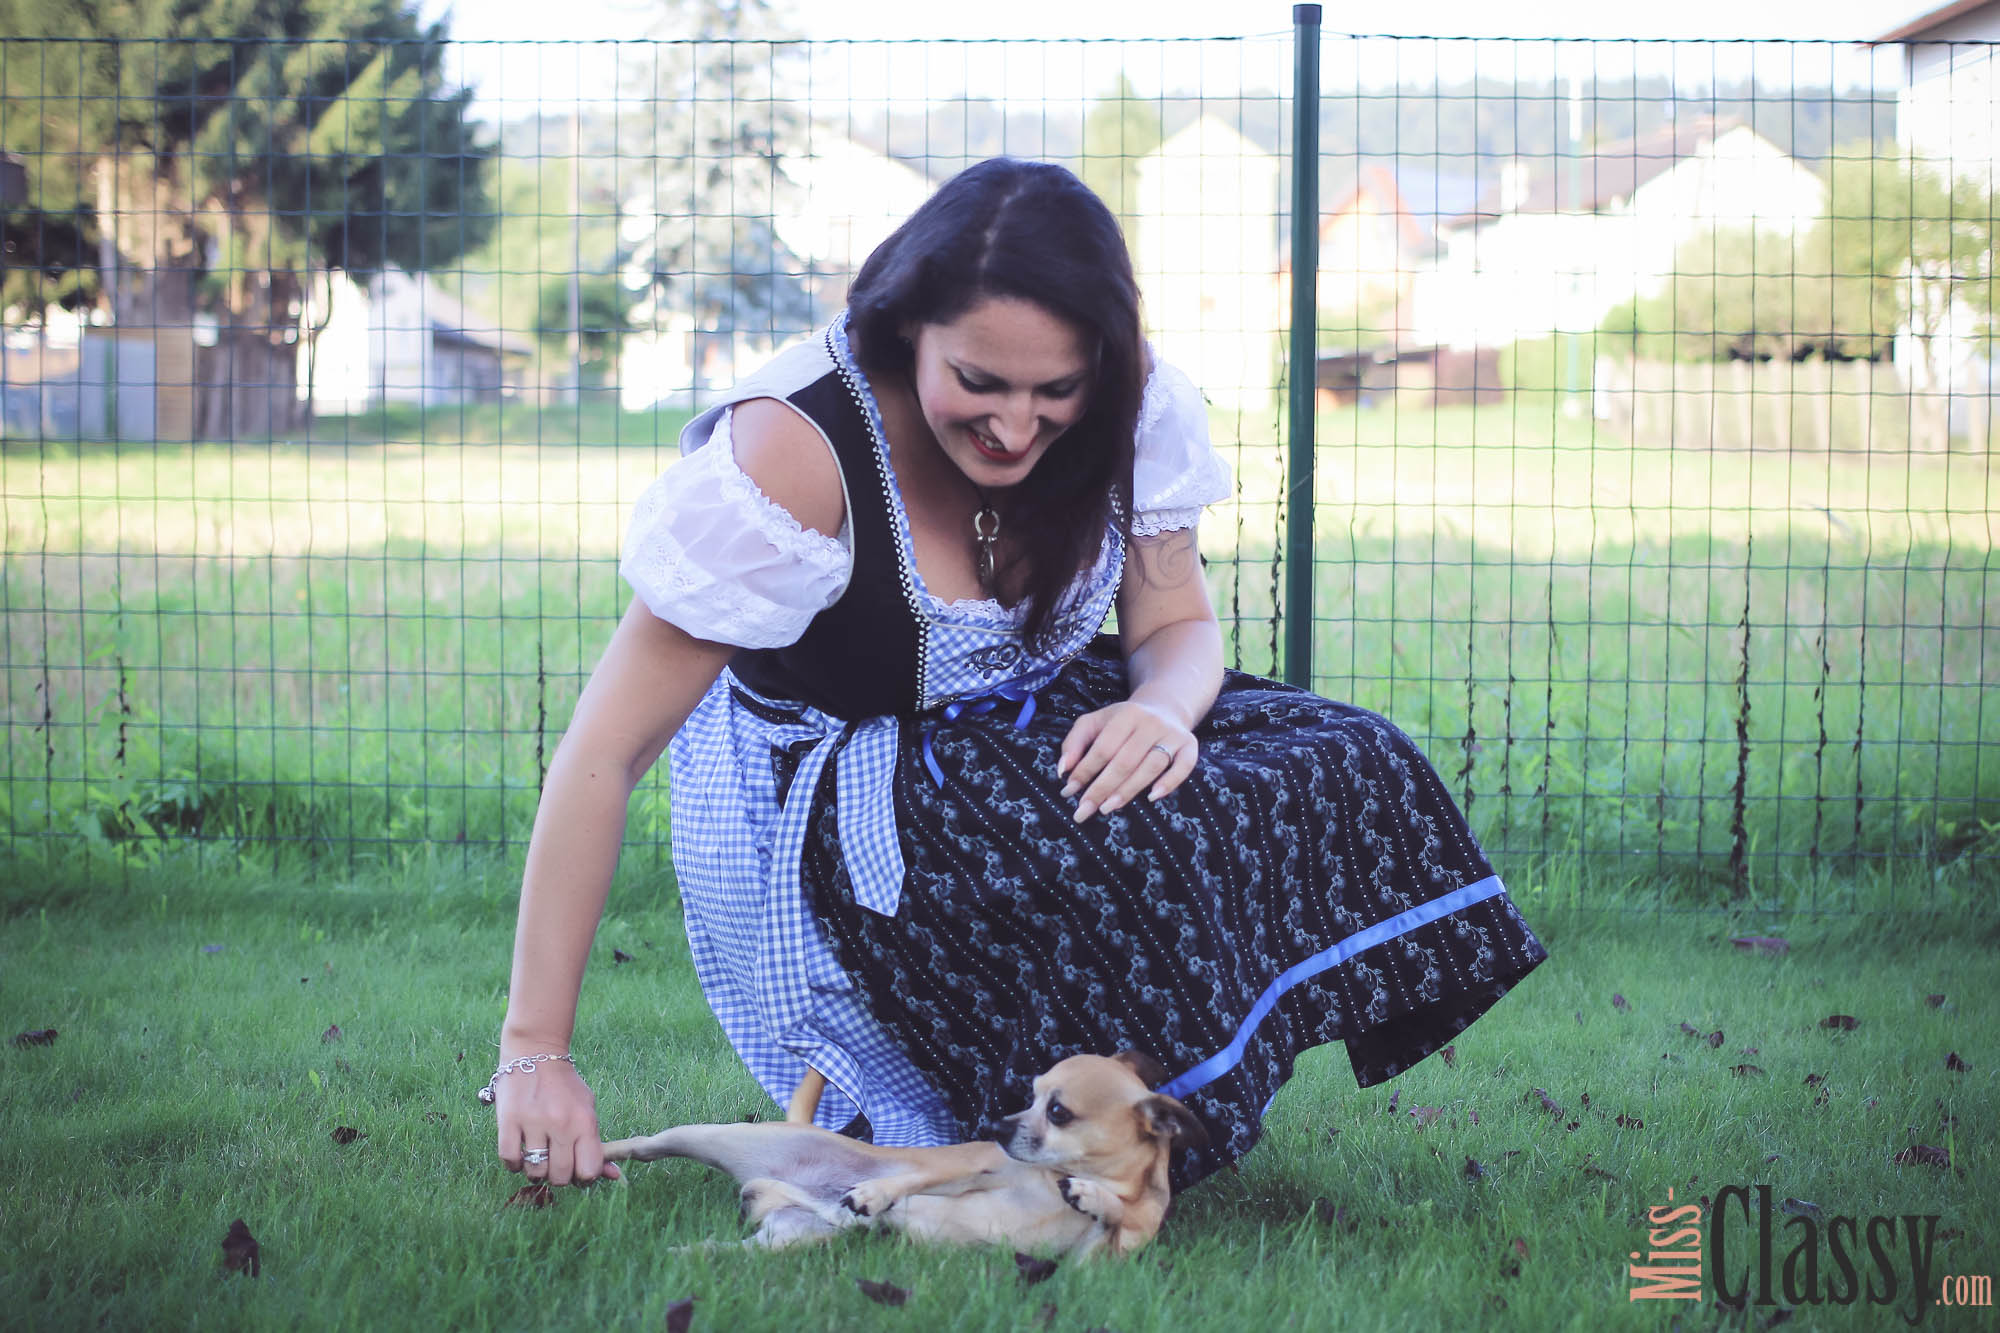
(604, 317)
(1751, 294)
(1120, 129)
(723, 122)
(1920, 248)
(220, 174)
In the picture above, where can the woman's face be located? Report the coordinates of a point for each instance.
(998, 384)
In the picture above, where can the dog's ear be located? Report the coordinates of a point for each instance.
(1167, 1119)
(1145, 1066)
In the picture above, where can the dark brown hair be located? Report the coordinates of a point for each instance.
(1034, 232)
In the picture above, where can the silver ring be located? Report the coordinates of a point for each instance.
(535, 1156)
(1165, 751)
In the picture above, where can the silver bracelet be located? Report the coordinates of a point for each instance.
(525, 1065)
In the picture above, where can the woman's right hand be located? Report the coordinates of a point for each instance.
(553, 1109)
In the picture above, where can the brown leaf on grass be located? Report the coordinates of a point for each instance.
(1472, 1117)
(1629, 1121)
(1325, 1213)
(1394, 1097)
(1744, 1071)
(1571, 1126)
(1714, 1040)
(331, 1034)
(1473, 1170)
(39, 1037)
(1032, 1270)
(239, 1250)
(1423, 1115)
(1548, 1102)
(1814, 1080)
(1922, 1154)
(1933, 1000)
(882, 1293)
(680, 1314)
(1520, 1247)
(1691, 1031)
(1954, 1064)
(1449, 1055)
(535, 1194)
(1840, 1022)
(1764, 944)
(346, 1134)
(620, 956)
(1869, 1105)
(1586, 1101)
(1599, 1172)
(1619, 1002)
(1747, 1050)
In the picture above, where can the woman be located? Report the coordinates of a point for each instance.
(931, 833)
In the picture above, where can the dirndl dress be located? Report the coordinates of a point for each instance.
(880, 877)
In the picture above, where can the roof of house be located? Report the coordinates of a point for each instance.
(1929, 19)
(1606, 173)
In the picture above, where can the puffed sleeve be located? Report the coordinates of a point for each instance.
(709, 552)
(1175, 470)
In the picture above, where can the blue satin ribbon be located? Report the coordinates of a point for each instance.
(978, 703)
(1381, 932)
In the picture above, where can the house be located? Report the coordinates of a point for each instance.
(402, 339)
(1554, 246)
(1207, 255)
(1948, 115)
(1380, 232)
(1949, 108)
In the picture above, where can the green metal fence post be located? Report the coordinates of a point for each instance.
(1305, 347)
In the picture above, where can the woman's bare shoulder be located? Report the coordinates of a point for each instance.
(790, 461)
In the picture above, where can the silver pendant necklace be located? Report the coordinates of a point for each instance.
(985, 531)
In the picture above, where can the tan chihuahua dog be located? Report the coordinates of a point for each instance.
(1083, 1168)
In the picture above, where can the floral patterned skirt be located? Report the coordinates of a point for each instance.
(1274, 902)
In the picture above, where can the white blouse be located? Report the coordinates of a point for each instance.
(711, 553)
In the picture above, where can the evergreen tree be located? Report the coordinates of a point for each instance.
(720, 86)
(289, 140)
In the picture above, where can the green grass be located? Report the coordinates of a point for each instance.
(1734, 661)
(187, 1088)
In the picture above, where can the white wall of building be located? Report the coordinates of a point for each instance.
(1207, 261)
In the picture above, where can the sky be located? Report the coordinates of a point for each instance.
(1842, 20)
(493, 54)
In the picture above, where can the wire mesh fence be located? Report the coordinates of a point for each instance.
(1653, 484)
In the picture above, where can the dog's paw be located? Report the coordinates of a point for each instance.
(1086, 1196)
(870, 1198)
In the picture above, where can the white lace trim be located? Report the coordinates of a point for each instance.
(1153, 522)
(773, 521)
(710, 552)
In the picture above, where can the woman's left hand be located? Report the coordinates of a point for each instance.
(1113, 754)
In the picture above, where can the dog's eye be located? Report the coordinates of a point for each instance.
(1060, 1115)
